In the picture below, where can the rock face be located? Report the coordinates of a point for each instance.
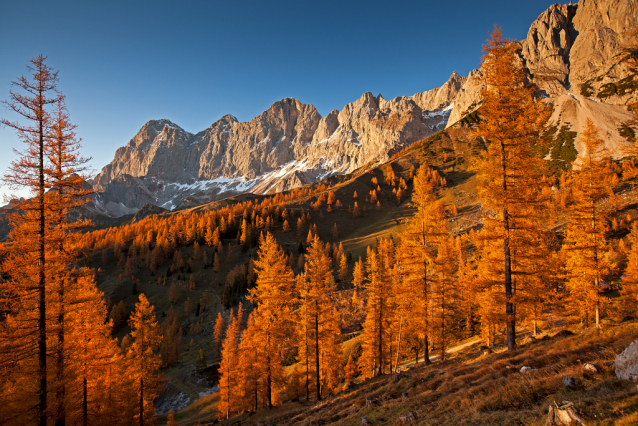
(546, 48)
(468, 98)
(627, 363)
(288, 145)
(441, 97)
(600, 26)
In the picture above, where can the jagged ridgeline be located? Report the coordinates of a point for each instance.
(571, 53)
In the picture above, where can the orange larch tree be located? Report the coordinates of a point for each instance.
(585, 246)
(273, 296)
(512, 118)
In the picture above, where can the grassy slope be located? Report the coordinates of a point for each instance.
(470, 389)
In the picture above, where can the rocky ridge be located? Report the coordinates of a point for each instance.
(287, 146)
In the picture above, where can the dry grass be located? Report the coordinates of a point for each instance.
(486, 390)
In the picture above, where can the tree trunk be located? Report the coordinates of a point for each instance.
(61, 415)
(509, 306)
(85, 403)
(42, 311)
(141, 401)
(396, 363)
(426, 350)
(318, 390)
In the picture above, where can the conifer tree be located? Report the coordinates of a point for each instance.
(229, 369)
(250, 353)
(320, 324)
(273, 296)
(376, 337)
(143, 361)
(585, 244)
(420, 239)
(511, 122)
(29, 172)
(218, 333)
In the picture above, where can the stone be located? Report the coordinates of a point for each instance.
(592, 368)
(569, 382)
(563, 414)
(525, 370)
(364, 421)
(627, 363)
(407, 418)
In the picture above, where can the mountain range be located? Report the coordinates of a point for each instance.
(572, 53)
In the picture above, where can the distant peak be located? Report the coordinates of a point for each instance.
(162, 123)
(230, 117)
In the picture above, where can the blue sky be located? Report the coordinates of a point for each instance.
(123, 63)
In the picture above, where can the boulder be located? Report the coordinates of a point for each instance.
(364, 421)
(592, 368)
(569, 382)
(627, 363)
(563, 414)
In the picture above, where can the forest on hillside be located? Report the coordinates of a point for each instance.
(264, 278)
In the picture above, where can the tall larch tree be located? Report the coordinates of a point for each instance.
(29, 171)
(420, 239)
(67, 176)
(376, 338)
(273, 295)
(320, 323)
(250, 383)
(512, 119)
(585, 245)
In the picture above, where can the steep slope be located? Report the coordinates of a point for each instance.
(287, 146)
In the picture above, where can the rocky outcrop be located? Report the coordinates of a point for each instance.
(574, 110)
(600, 26)
(570, 52)
(468, 99)
(441, 97)
(287, 146)
(627, 363)
(547, 46)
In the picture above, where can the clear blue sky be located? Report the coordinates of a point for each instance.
(123, 63)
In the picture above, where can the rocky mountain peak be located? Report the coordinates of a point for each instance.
(441, 97)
